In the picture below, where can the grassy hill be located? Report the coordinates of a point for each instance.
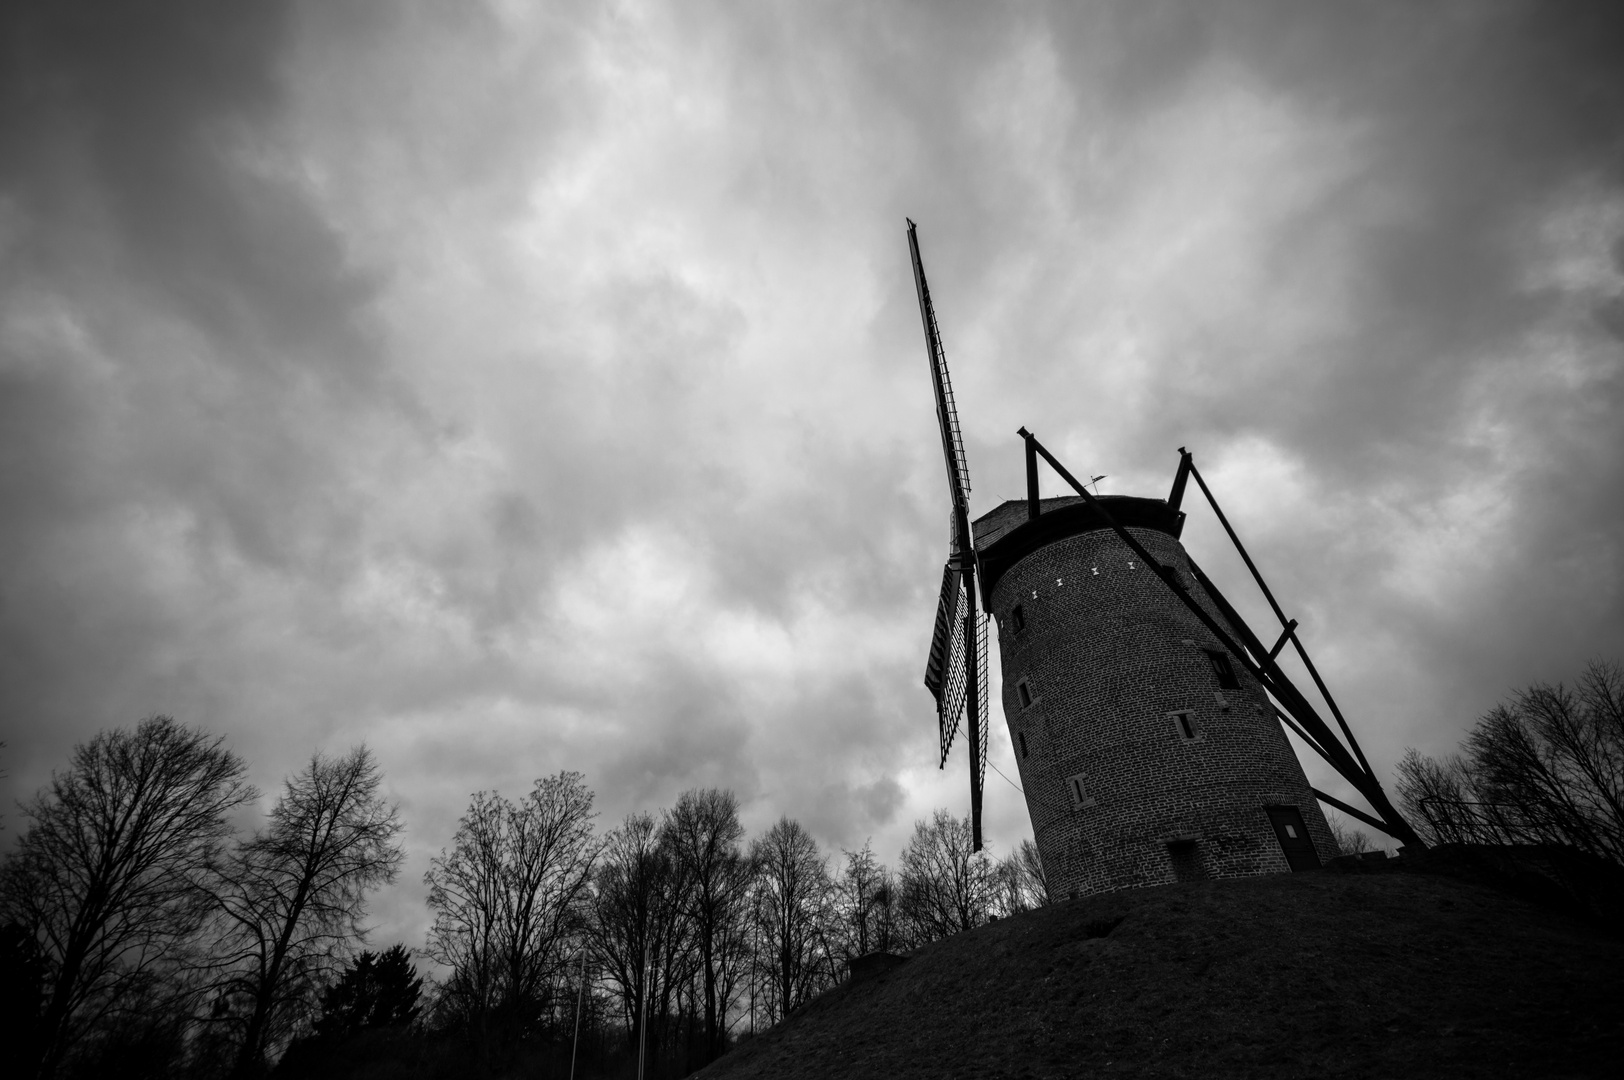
(1299, 975)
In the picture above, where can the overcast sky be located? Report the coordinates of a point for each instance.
(519, 387)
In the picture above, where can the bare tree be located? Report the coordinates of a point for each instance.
(1439, 796)
(1034, 879)
(1556, 756)
(1349, 840)
(465, 892)
(704, 833)
(512, 887)
(295, 898)
(1547, 766)
(639, 928)
(792, 908)
(945, 885)
(111, 874)
(864, 905)
(1018, 881)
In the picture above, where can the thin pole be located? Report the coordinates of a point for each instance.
(580, 996)
(642, 1019)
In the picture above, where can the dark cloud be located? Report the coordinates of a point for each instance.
(185, 353)
(1454, 372)
(524, 389)
(158, 110)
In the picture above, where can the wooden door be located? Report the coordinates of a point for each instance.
(1293, 837)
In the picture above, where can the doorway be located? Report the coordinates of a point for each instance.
(1292, 833)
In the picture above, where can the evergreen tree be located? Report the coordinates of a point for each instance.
(376, 990)
(399, 989)
(24, 975)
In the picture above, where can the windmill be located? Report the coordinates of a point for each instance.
(1148, 719)
(956, 671)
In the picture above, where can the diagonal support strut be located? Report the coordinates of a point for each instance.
(1254, 658)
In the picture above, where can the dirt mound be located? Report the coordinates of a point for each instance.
(1298, 975)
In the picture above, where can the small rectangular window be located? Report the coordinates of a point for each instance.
(1184, 723)
(1222, 668)
(1079, 793)
(1024, 693)
(1017, 619)
(1020, 736)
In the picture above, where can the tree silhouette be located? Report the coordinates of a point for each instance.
(639, 930)
(1547, 766)
(111, 876)
(946, 885)
(23, 975)
(513, 885)
(865, 908)
(704, 833)
(793, 909)
(1019, 881)
(376, 990)
(297, 893)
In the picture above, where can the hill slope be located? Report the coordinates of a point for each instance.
(1315, 974)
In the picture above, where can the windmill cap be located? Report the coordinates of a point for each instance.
(1004, 535)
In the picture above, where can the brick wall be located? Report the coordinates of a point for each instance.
(1107, 654)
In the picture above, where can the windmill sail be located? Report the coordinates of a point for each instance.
(947, 411)
(944, 670)
(956, 670)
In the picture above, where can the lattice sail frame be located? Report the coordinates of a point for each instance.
(951, 684)
(953, 437)
(953, 687)
(960, 626)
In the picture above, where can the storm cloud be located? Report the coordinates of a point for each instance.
(522, 387)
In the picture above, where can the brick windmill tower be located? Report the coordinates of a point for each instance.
(1145, 714)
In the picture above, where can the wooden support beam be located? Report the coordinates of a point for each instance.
(1176, 496)
(1032, 508)
(1285, 636)
(1275, 680)
(1260, 664)
(1268, 672)
(1302, 653)
(1135, 546)
(1285, 718)
(1353, 812)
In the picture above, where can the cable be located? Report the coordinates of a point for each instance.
(1007, 780)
